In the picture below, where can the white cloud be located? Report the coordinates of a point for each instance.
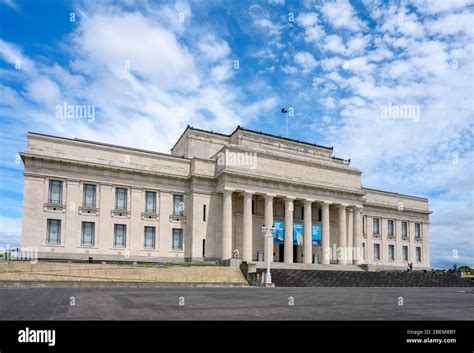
(340, 14)
(334, 44)
(357, 44)
(331, 63)
(213, 48)
(453, 24)
(435, 7)
(313, 32)
(222, 72)
(307, 19)
(145, 49)
(13, 55)
(45, 91)
(306, 61)
(267, 25)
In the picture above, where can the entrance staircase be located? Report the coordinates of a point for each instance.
(354, 278)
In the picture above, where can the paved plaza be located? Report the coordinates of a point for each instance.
(250, 303)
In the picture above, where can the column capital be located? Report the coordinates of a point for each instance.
(308, 201)
(269, 196)
(290, 198)
(248, 192)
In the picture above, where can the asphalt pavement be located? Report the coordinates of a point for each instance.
(248, 303)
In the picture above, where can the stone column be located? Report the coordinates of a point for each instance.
(325, 246)
(412, 244)
(247, 228)
(350, 234)
(342, 235)
(227, 226)
(358, 255)
(425, 250)
(289, 230)
(269, 223)
(307, 240)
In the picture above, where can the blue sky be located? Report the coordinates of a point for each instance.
(152, 67)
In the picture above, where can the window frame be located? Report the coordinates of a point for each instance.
(48, 231)
(419, 230)
(125, 198)
(418, 251)
(407, 228)
(153, 245)
(392, 247)
(377, 246)
(405, 258)
(181, 212)
(60, 201)
(150, 192)
(84, 193)
(92, 233)
(181, 233)
(378, 225)
(390, 221)
(116, 226)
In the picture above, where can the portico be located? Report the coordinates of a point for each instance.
(342, 248)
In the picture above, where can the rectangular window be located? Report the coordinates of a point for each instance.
(376, 226)
(120, 198)
(150, 237)
(177, 239)
(391, 253)
(204, 248)
(404, 229)
(405, 253)
(390, 228)
(204, 213)
(418, 254)
(377, 252)
(55, 192)
(364, 224)
(88, 233)
(302, 212)
(150, 202)
(253, 207)
(178, 205)
(89, 195)
(417, 230)
(320, 215)
(53, 231)
(363, 250)
(120, 235)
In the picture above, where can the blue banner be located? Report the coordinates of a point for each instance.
(279, 236)
(316, 234)
(298, 233)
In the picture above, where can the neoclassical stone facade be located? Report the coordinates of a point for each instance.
(209, 199)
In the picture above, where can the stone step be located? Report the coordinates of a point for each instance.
(340, 278)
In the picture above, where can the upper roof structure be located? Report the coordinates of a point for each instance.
(241, 128)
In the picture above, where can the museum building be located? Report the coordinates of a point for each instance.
(209, 198)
